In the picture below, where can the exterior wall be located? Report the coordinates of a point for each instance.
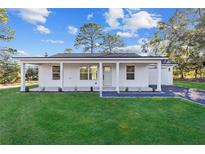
(72, 76)
(141, 76)
(45, 76)
(166, 75)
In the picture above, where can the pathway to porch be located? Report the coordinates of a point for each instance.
(167, 91)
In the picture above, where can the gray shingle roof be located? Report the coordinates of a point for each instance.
(101, 55)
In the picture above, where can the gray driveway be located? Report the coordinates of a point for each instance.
(196, 96)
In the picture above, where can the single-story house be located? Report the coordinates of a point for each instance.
(99, 72)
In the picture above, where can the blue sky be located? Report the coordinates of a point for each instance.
(52, 30)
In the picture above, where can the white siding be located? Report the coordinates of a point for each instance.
(45, 76)
(72, 77)
(167, 75)
(143, 76)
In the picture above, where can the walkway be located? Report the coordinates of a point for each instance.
(196, 96)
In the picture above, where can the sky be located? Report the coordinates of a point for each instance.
(52, 30)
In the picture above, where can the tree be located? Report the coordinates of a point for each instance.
(182, 38)
(6, 33)
(68, 50)
(110, 42)
(196, 63)
(9, 69)
(32, 73)
(45, 54)
(88, 37)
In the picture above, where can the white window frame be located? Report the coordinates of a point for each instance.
(56, 72)
(130, 72)
(88, 67)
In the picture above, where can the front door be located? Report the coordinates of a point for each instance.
(107, 76)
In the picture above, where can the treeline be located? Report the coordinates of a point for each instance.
(182, 39)
(9, 69)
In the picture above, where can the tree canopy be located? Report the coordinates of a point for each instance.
(6, 33)
(182, 38)
(110, 42)
(68, 50)
(88, 37)
(9, 69)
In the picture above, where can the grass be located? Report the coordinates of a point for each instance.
(189, 84)
(84, 118)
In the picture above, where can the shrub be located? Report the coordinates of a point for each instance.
(26, 89)
(60, 89)
(91, 89)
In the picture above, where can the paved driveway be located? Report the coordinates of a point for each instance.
(196, 96)
(187, 93)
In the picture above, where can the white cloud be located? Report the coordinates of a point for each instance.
(129, 21)
(141, 20)
(112, 17)
(132, 10)
(34, 15)
(72, 30)
(141, 41)
(134, 48)
(127, 34)
(53, 41)
(22, 53)
(89, 16)
(43, 29)
(129, 49)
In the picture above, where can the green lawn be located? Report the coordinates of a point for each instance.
(84, 118)
(188, 84)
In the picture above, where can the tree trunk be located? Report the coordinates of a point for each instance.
(110, 50)
(182, 74)
(91, 47)
(195, 74)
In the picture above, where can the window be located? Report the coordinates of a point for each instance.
(84, 73)
(107, 69)
(130, 72)
(56, 72)
(88, 72)
(93, 72)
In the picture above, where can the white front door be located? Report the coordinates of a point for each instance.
(107, 76)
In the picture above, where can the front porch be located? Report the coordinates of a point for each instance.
(110, 76)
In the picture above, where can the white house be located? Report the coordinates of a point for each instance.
(99, 72)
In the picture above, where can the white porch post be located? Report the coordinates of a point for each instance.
(100, 78)
(22, 76)
(159, 76)
(62, 75)
(117, 77)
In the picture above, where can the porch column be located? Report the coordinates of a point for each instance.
(100, 78)
(159, 76)
(22, 77)
(62, 74)
(117, 77)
